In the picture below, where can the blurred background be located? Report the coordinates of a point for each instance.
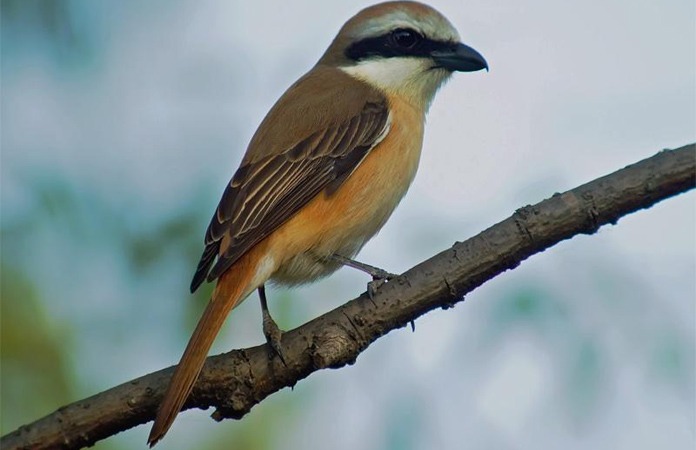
(123, 121)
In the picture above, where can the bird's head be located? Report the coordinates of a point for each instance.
(402, 48)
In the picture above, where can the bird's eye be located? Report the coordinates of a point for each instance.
(405, 38)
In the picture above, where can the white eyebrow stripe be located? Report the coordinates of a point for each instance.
(433, 27)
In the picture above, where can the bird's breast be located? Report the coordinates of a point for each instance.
(343, 221)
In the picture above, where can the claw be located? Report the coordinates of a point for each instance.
(270, 328)
(375, 272)
(381, 274)
(273, 335)
(372, 287)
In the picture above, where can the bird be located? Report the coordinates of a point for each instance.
(324, 171)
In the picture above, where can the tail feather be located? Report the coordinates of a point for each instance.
(230, 291)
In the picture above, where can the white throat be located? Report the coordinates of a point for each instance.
(412, 79)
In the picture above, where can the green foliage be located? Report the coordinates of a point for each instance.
(36, 375)
(47, 23)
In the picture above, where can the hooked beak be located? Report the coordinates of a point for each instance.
(458, 58)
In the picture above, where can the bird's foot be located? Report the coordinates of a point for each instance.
(375, 272)
(273, 335)
(377, 282)
(379, 276)
(270, 329)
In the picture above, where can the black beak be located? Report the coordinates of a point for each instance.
(459, 58)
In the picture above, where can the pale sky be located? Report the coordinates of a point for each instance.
(576, 90)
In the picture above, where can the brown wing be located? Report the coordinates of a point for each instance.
(265, 193)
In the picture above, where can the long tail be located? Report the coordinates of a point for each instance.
(231, 289)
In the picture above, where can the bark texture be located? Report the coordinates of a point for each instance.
(234, 382)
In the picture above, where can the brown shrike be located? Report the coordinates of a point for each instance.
(324, 171)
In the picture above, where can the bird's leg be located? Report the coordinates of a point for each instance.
(270, 328)
(375, 272)
(379, 276)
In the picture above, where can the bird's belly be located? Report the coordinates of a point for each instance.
(345, 220)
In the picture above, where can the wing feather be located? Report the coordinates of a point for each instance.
(265, 193)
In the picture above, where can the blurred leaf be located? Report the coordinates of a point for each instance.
(584, 379)
(147, 249)
(404, 426)
(672, 361)
(47, 23)
(35, 378)
(528, 306)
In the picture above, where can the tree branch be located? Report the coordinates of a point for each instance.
(236, 381)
